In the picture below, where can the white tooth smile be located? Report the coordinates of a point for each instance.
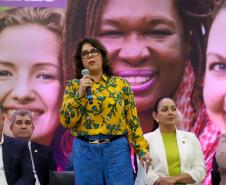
(137, 80)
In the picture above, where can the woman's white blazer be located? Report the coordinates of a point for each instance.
(190, 153)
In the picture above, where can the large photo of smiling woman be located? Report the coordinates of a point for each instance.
(215, 98)
(159, 47)
(31, 75)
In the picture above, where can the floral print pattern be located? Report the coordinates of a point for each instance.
(113, 111)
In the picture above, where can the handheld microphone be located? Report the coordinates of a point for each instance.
(89, 94)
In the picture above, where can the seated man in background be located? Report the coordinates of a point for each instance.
(15, 161)
(42, 161)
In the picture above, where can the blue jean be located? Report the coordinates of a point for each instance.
(102, 164)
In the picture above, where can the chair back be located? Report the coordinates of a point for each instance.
(62, 178)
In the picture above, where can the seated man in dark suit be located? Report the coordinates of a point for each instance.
(15, 161)
(41, 155)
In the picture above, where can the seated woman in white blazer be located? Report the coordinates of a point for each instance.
(177, 157)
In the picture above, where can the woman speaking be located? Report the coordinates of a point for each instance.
(101, 126)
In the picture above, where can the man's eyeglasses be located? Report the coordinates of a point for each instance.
(92, 53)
(20, 122)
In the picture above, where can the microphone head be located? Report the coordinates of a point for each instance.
(85, 72)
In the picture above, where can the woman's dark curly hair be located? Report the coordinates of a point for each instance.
(96, 44)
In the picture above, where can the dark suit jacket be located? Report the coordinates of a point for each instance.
(43, 161)
(17, 162)
(215, 174)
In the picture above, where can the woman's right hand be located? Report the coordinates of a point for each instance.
(85, 81)
(146, 159)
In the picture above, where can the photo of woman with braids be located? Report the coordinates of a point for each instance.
(159, 47)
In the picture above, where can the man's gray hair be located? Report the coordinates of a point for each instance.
(20, 112)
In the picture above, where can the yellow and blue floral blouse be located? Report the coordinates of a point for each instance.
(113, 111)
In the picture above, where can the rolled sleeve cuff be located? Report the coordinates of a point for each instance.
(142, 153)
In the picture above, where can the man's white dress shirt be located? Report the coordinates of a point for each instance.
(33, 165)
(2, 171)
